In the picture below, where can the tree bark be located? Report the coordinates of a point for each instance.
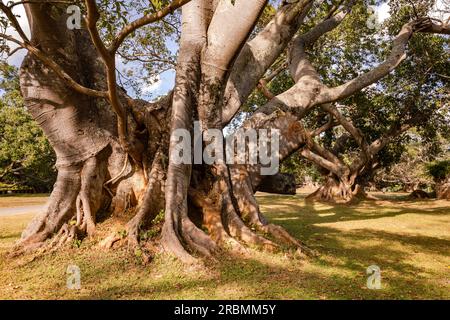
(94, 168)
(443, 190)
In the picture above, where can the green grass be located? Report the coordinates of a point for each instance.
(408, 240)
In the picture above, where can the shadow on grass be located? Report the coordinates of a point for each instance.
(338, 273)
(250, 278)
(299, 216)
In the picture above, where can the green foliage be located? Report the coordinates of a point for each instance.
(439, 170)
(77, 243)
(416, 93)
(159, 218)
(122, 234)
(304, 171)
(155, 230)
(149, 51)
(26, 157)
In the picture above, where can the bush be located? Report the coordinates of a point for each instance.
(439, 170)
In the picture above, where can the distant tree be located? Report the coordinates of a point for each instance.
(408, 173)
(351, 141)
(440, 171)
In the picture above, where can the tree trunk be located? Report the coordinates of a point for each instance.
(95, 171)
(443, 190)
(334, 190)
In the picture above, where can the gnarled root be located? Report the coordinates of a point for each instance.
(61, 207)
(250, 212)
(70, 211)
(150, 204)
(333, 191)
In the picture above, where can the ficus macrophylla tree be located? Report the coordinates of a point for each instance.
(372, 125)
(115, 151)
(368, 130)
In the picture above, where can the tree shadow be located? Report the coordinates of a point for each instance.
(339, 271)
(295, 214)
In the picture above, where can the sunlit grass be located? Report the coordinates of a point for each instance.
(409, 241)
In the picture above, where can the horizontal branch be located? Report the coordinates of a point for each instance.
(321, 161)
(397, 56)
(68, 80)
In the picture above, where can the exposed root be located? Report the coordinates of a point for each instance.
(239, 230)
(117, 177)
(171, 244)
(250, 212)
(66, 235)
(60, 209)
(196, 239)
(213, 222)
(333, 191)
(230, 215)
(109, 241)
(77, 195)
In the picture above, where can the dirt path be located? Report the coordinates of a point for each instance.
(20, 210)
(22, 204)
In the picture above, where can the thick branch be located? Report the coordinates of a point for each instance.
(68, 80)
(260, 53)
(12, 18)
(349, 126)
(224, 43)
(322, 162)
(91, 21)
(300, 64)
(397, 55)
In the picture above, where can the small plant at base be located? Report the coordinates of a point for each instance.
(122, 234)
(76, 243)
(159, 218)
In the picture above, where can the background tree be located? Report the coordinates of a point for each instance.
(373, 122)
(26, 157)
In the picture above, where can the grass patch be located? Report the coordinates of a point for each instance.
(408, 240)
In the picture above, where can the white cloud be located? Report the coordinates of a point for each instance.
(153, 86)
(383, 12)
(441, 10)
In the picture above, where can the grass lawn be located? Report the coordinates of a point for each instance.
(408, 240)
